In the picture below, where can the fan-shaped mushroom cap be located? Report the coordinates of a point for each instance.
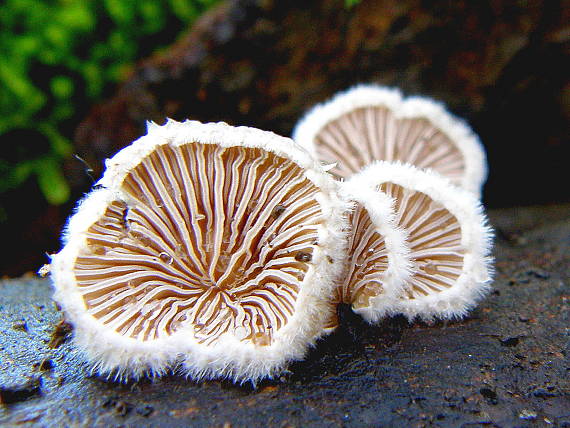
(378, 265)
(207, 245)
(368, 123)
(447, 235)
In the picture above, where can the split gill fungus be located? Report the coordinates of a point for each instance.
(369, 122)
(432, 166)
(448, 240)
(378, 264)
(205, 246)
(223, 251)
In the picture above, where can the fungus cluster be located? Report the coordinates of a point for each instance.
(223, 251)
(430, 167)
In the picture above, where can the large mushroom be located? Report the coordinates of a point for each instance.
(205, 245)
(448, 239)
(368, 123)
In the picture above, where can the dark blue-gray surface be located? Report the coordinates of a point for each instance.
(506, 365)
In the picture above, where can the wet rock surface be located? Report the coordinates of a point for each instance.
(506, 365)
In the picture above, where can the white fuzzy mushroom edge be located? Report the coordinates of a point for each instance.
(476, 237)
(366, 95)
(380, 209)
(113, 354)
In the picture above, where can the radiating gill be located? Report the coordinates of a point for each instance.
(357, 138)
(366, 265)
(368, 261)
(434, 238)
(213, 240)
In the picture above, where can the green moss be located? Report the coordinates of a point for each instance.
(51, 180)
(350, 3)
(59, 56)
(61, 87)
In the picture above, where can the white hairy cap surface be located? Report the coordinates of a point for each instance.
(207, 246)
(368, 123)
(448, 238)
(378, 265)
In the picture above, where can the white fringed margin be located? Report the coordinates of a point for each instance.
(340, 104)
(476, 238)
(404, 108)
(113, 354)
(380, 208)
(459, 132)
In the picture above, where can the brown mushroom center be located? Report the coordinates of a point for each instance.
(361, 136)
(434, 239)
(212, 239)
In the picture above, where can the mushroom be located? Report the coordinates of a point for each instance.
(448, 238)
(378, 265)
(368, 123)
(205, 245)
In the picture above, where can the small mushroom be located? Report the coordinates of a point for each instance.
(203, 245)
(368, 123)
(378, 265)
(448, 238)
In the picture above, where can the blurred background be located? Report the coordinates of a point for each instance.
(79, 79)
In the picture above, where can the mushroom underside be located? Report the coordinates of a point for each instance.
(363, 135)
(201, 239)
(368, 260)
(434, 241)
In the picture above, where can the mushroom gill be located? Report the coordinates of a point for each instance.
(369, 123)
(208, 243)
(374, 133)
(216, 238)
(434, 240)
(377, 266)
(447, 237)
